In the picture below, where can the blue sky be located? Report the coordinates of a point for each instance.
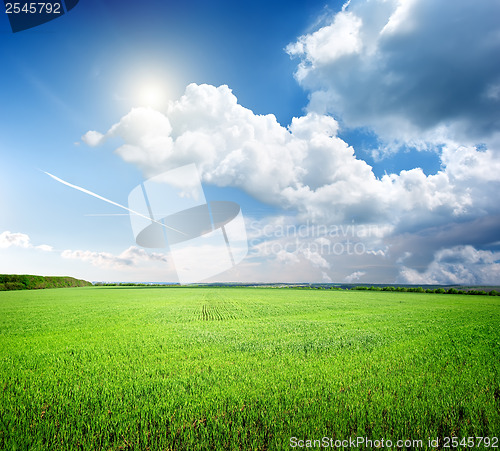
(394, 147)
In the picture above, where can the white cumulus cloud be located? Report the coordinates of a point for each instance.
(8, 239)
(330, 43)
(305, 167)
(17, 239)
(354, 276)
(129, 258)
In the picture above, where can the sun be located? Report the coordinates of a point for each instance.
(142, 83)
(152, 94)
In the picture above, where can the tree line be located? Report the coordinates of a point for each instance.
(10, 282)
(429, 290)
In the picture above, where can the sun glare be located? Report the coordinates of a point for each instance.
(151, 94)
(146, 83)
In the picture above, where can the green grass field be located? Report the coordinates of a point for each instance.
(244, 368)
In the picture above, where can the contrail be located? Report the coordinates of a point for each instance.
(86, 191)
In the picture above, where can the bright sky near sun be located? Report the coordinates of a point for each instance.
(361, 140)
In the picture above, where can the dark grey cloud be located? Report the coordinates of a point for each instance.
(416, 67)
(417, 249)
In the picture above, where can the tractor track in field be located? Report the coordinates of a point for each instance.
(214, 312)
(216, 309)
